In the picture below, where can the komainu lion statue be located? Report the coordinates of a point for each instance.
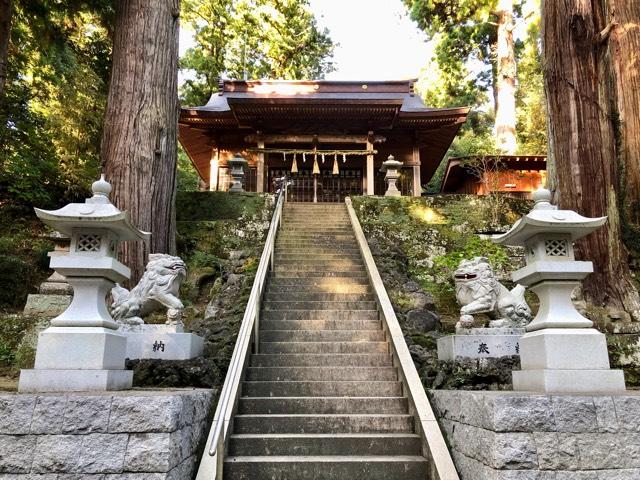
(478, 291)
(158, 288)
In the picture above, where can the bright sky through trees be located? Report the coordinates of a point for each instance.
(376, 38)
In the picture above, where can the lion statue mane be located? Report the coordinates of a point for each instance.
(158, 288)
(478, 291)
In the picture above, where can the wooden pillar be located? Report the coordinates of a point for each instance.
(213, 169)
(260, 169)
(417, 181)
(370, 175)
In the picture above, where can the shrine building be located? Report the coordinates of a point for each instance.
(513, 175)
(331, 137)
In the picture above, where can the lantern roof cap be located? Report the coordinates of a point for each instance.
(545, 218)
(96, 212)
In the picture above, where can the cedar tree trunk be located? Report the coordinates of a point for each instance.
(583, 125)
(506, 79)
(6, 9)
(139, 143)
(623, 54)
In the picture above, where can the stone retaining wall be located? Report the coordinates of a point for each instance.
(522, 436)
(133, 435)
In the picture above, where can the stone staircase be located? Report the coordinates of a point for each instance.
(322, 399)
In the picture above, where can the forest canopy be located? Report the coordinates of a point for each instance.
(56, 70)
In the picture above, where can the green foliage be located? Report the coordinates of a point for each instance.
(51, 113)
(276, 39)
(13, 328)
(188, 178)
(23, 254)
(531, 107)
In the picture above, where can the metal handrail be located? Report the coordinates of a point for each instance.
(250, 321)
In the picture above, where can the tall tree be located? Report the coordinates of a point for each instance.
(6, 9)
(505, 89)
(139, 144)
(276, 39)
(480, 30)
(586, 77)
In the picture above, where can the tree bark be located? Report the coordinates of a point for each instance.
(582, 137)
(6, 11)
(139, 144)
(623, 50)
(505, 127)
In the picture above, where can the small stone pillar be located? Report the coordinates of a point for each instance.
(561, 352)
(82, 350)
(391, 166)
(238, 165)
(54, 294)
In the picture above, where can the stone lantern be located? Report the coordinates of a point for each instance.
(238, 165)
(82, 350)
(560, 352)
(391, 166)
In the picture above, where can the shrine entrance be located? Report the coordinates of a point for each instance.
(325, 187)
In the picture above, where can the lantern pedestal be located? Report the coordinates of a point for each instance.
(565, 360)
(37, 381)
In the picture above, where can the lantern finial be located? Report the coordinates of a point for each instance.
(101, 187)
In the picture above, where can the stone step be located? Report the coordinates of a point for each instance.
(322, 405)
(327, 246)
(313, 266)
(312, 296)
(317, 305)
(303, 374)
(316, 223)
(318, 273)
(321, 359)
(329, 423)
(350, 289)
(322, 284)
(320, 315)
(271, 336)
(287, 257)
(293, 251)
(324, 347)
(363, 444)
(322, 389)
(320, 325)
(325, 467)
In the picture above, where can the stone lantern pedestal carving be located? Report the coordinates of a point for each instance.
(561, 352)
(238, 165)
(390, 168)
(82, 349)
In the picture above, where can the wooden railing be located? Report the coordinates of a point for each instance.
(212, 460)
(433, 443)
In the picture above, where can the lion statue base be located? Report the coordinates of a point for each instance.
(478, 291)
(157, 289)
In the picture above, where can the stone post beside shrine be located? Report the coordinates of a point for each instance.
(390, 169)
(238, 165)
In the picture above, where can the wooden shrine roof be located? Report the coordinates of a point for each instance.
(456, 173)
(319, 107)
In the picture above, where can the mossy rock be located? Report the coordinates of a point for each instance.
(15, 281)
(207, 206)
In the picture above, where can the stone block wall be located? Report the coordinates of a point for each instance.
(525, 436)
(133, 435)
